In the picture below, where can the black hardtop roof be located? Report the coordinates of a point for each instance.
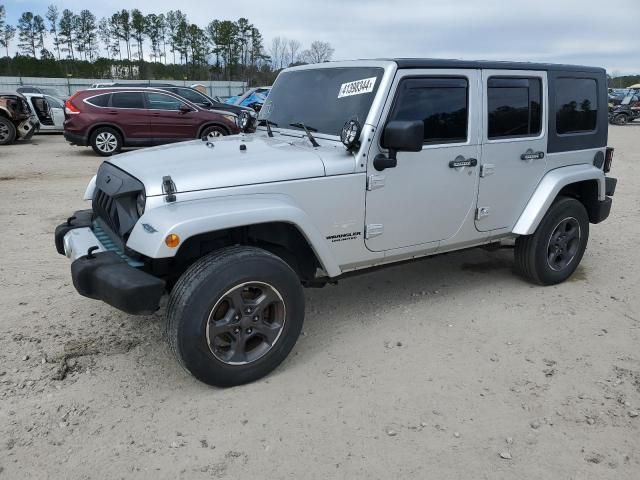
(490, 65)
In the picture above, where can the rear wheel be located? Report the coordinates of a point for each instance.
(212, 132)
(7, 131)
(554, 251)
(620, 119)
(235, 315)
(106, 141)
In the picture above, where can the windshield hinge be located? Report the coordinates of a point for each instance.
(169, 188)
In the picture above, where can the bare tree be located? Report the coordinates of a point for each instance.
(294, 51)
(319, 52)
(52, 15)
(6, 36)
(277, 52)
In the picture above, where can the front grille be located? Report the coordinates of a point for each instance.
(106, 208)
(114, 200)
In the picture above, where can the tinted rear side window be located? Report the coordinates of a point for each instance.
(441, 103)
(577, 105)
(100, 100)
(514, 106)
(127, 100)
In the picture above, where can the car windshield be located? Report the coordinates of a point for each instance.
(322, 98)
(51, 91)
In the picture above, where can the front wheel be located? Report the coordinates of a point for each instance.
(212, 132)
(235, 315)
(554, 251)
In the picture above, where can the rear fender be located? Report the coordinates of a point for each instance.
(548, 190)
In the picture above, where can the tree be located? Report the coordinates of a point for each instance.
(319, 52)
(28, 34)
(293, 51)
(86, 34)
(175, 18)
(3, 16)
(52, 16)
(7, 35)
(162, 35)
(40, 31)
(278, 51)
(138, 29)
(66, 31)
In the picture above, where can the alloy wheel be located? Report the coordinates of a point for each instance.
(564, 244)
(245, 323)
(4, 132)
(106, 142)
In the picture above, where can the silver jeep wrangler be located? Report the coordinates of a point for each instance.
(355, 165)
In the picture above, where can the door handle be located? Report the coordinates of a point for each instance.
(112, 112)
(531, 155)
(460, 161)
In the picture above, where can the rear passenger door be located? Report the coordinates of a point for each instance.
(514, 144)
(127, 110)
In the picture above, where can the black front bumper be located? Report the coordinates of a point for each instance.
(108, 277)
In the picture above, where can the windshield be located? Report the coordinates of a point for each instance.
(51, 91)
(322, 98)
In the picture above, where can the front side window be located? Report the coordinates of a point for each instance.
(514, 107)
(576, 105)
(127, 100)
(441, 103)
(158, 101)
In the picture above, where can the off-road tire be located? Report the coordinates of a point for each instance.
(620, 119)
(108, 133)
(532, 251)
(200, 289)
(10, 133)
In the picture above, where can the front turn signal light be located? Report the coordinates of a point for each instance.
(172, 240)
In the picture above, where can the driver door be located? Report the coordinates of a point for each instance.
(427, 197)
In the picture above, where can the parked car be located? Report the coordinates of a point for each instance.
(17, 121)
(254, 98)
(247, 116)
(113, 118)
(627, 111)
(42, 91)
(359, 164)
(49, 110)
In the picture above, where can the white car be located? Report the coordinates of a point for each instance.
(48, 109)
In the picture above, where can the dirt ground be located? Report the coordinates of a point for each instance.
(450, 367)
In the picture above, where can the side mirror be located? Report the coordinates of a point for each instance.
(185, 108)
(399, 136)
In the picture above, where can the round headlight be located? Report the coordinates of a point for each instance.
(350, 134)
(141, 201)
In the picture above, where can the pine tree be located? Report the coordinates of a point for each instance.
(52, 16)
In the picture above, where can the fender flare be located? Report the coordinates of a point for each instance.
(190, 218)
(548, 189)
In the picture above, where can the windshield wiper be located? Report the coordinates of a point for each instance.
(268, 124)
(308, 131)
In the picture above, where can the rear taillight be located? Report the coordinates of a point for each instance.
(69, 107)
(608, 159)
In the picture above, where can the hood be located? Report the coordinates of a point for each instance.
(194, 165)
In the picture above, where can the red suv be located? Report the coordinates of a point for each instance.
(109, 119)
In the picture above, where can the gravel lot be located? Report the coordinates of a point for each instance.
(450, 367)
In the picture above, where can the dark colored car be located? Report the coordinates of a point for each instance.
(627, 111)
(113, 118)
(247, 115)
(17, 121)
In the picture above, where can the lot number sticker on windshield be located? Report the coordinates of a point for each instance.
(357, 87)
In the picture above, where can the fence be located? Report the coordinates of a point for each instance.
(68, 86)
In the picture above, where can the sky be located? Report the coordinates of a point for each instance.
(588, 32)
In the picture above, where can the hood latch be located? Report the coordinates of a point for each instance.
(169, 188)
